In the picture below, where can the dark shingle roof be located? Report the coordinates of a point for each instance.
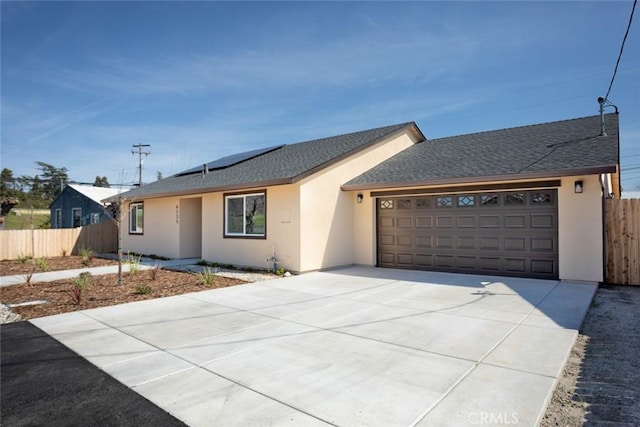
(283, 165)
(551, 149)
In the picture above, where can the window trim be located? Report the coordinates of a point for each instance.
(136, 232)
(58, 218)
(243, 195)
(73, 222)
(92, 216)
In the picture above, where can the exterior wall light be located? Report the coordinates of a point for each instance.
(359, 198)
(578, 187)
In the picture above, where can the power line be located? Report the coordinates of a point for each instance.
(621, 49)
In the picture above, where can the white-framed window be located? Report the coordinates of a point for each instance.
(76, 217)
(245, 215)
(136, 218)
(95, 218)
(58, 220)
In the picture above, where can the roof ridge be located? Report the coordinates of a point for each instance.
(517, 127)
(398, 125)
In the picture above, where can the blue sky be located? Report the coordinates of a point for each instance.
(84, 81)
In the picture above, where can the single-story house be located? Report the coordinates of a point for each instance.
(79, 205)
(525, 201)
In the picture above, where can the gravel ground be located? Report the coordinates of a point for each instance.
(7, 316)
(600, 381)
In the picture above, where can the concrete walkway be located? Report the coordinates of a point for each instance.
(357, 346)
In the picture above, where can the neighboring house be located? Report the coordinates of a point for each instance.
(79, 205)
(525, 201)
(630, 195)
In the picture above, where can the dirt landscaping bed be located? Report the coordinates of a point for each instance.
(104, 291)
(71, 262)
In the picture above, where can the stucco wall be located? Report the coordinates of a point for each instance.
(160, 229)
(327, 212)
(283, 222)
(580, 230)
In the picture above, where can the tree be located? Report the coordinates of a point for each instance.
(7, 181)
(159, 175)
(53, 179)
(101, 182)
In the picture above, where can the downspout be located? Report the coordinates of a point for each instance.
(604, 237)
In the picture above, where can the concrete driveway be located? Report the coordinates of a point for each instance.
(356, 346)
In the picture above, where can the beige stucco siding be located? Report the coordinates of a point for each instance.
(160, 235)
(283, 221)
(580, 230)
(327, 218)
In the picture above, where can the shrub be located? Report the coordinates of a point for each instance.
(43, 264)
(154, 271)
(142, 289)
(80, 284)
(27, 278)
(23, 258)
(280, 271)
(87, 256)
(134, 263)
(207, 276)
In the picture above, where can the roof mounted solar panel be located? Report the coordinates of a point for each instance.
(231, 160)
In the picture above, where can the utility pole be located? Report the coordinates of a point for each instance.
(140, 153)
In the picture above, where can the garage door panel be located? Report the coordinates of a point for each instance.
(423, 242)
(404, 222)
(405, 260)
(489, 221)
(466, 262)
(489, 243)
(515, 244)
(405, 241)
(489, 264)
(515, 221)
(386, 239)
(444, 261)
(543, 244)
(511, 233)
(466, 242)
(424, 222)
(543, 266)
(444, 242)
(385, 222)
(444, 221)
(542, 221)
(466, 221)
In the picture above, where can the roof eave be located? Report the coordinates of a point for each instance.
(595, 170)
(203, 190)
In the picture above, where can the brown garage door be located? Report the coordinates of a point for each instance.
(510, 233)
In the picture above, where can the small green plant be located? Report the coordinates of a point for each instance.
(134, 263)
(87, 256)
(202, 263)
(142, 289)
(280, 271)
(43, 264)
(23, 258)
(80, 284)
(154, 271)
(228, 266)
(207, 276)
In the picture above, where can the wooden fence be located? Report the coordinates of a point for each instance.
(622, 241)
(101, 237)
